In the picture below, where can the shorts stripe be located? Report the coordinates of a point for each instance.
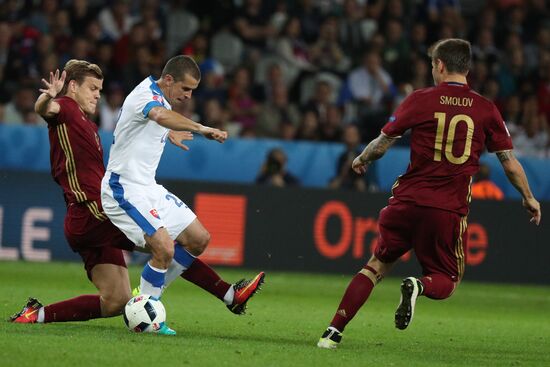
(459, 248)
(118, 194)
(93, 208)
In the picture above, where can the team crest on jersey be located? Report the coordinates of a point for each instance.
(158, 98)
(154, 213)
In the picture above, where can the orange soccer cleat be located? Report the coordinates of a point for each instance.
(29, 313)
(244, 290)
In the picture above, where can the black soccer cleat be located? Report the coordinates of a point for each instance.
(410, 289)
(244, 290)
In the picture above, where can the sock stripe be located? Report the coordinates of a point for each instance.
(370, 273)
(183, 257)
(153, 276)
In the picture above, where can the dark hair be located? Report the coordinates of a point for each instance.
(181, 65)
(78, 70)
(455, 53)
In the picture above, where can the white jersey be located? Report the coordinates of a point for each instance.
(138, 142)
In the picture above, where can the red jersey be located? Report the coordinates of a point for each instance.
(451, 126)
(76, 156)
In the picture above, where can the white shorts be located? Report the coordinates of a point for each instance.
(137, 209)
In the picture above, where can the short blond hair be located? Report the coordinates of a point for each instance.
(78, 70)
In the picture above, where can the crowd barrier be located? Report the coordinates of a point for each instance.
(239, 160)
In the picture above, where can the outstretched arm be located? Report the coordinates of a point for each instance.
(516, 175)
(174, 121)
(375, 150)
(44, 105)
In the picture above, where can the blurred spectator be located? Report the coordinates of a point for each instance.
(532, 137)
(292, 49)
(211, 86)
(81, 15)
(483, 188)
(42, 17)
(354, 29)
(109, 107)
(331, 129)
(126, 47)
(346, 178)
(370, 86)
(227, 48)
(321, 100)
(484, 49)
(215, 115)
(419, 39)
(421, 75)
(309, 127)
(115, 20)
(23, 101)
(395, 54)
(276, 111)
(326, 53)
(5, 36)
(139, 68)
(181, 25)
(252, 25)
(370, 83)
(242, 107)
(273, 171)
(310, 18)
(197, 47)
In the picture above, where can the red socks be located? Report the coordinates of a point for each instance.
(437, 286)
(80, 308)
(205, 277)
(356, 295)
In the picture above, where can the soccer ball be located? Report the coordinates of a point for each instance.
(144, 314)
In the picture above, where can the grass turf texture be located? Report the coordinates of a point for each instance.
(481, 325)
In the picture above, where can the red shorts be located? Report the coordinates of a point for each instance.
(97, 241)
(437, 236)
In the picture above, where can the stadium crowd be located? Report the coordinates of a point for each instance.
(292, 70)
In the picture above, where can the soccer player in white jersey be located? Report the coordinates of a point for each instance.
(148, 214)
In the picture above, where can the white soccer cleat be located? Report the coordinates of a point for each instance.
(405, 311)
(330, 339)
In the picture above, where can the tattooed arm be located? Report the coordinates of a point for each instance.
(375, 150)
(516, 175)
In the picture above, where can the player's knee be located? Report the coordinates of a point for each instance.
(438, 286)
(199, 245)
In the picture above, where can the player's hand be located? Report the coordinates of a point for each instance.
(176, 138)
(359, 166)
(214, 134)
(55, 85)
(533, 207)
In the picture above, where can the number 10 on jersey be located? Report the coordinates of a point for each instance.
(438, 148)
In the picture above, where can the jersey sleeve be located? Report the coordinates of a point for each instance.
(404, 117)
(497, 135)
(145, 101)
(63, 116)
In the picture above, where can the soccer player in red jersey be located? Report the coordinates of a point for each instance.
(76, 157)
(451, 125)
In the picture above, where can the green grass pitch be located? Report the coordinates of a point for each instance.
(481, 325)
